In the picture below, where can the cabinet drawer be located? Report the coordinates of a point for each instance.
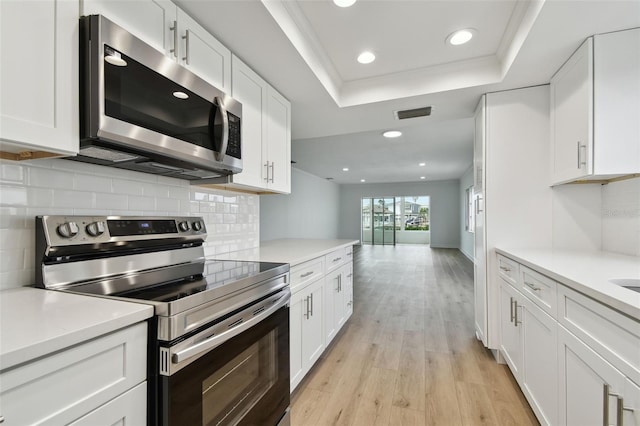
(62, 387)
(306, 272)
(612, 335)
(540, 289)
(508, 269)
(129, 408)
(336, 258)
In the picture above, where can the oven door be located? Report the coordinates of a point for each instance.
(235, 373)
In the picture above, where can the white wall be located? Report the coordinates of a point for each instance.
(310, 211)
(443, 210)
(466, 237)
(621, 217)
(62, 187)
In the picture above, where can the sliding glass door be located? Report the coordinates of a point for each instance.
(378, 221)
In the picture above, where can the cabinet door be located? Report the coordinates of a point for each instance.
(587, 384)
(332, 303)
(312, 336)
(152, 21)
(616, 108)
(630, 404)
(296, 318)
(348, 291)
(251, 91)
(203, 54)
(130, 408)
(478, 146)
(510, 327)
(41, 113)
(540, 362)
(572, 117)
(278, 142)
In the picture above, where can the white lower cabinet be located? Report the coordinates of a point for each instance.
(84, 380)
(321, 304)
(592, 391)
(576, 360)
(338, 295)
(127, 409)
(306, 330)
(528, 345)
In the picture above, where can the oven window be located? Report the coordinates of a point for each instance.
(230, 392)
(244, 381)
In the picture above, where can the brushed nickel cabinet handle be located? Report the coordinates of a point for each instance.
(532, 286)
(174, 28)
(185, 37)
(311, 304)
(504, 268)
(605, 406)
(307, 313)
(266, 166)
(273, 164)
(511, 307)
(305, 275)
(337, 259)
(517, 322)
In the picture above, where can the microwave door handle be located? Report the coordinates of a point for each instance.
(219, 339)
(225, 128)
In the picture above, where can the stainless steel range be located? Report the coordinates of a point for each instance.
(219, 341)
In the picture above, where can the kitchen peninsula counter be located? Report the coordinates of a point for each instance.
(587, 272)
(36, 322)
(293, 251)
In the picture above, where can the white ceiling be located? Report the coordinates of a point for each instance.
(307, 48)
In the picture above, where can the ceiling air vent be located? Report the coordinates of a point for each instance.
(412, 113)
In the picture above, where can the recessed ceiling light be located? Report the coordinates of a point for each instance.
(460, 37)
(362, 180)
(366, 57)
(423, 177)
(344, 3)
(345, 169)
(392, 134)
(180, 95)
(422, 164)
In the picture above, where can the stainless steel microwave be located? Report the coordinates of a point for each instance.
(140, 110)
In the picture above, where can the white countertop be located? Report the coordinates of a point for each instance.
(35, 322)
(291, 250)
(588, 272)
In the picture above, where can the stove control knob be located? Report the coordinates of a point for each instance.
(95, 229)
(184, 226)
(197, 226)
(68, 229)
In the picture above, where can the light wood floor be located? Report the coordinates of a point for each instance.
(408, 355)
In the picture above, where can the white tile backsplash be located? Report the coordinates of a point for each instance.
(621, 217)
(62, 187)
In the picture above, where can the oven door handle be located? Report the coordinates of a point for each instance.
(217, 340)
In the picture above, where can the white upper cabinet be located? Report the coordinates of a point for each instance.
(203, 54)
(278, 142)
(266, 133)
(39, 77)
(161, 24)
(595, 105)
(152, 21)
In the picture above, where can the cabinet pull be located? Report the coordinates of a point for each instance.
(621, 409)
(272, 170)
(185, 58)
(337, 259)
(339, 283)
(511, 309)
(305, 275)
(1, 419)
(516, 322)
(306, 314)
(266, 165)
(311, 304)
(349, 276)
(174, 28)
(605, 408)
(582, 162)
(504, 268)
(532, 286)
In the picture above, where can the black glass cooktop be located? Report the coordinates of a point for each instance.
(216, 274)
